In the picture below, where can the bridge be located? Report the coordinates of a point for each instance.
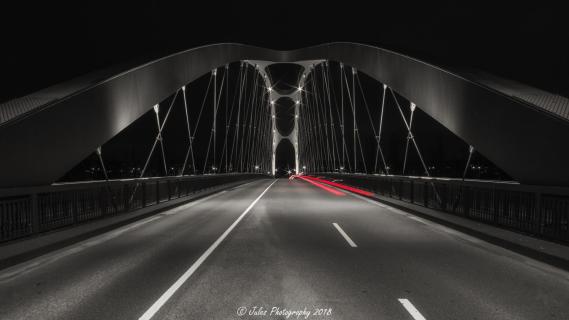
(203, 186)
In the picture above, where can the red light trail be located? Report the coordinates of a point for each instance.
(339, 185)
(319, 185)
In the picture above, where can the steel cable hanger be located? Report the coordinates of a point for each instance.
(386, 168)
(234, 144)
(331, 106)
(190, 138)
(159, 135)
(322, 120)
(248, 114)
(212, 137)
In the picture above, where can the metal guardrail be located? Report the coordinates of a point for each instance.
(29, 211)
(536, 210)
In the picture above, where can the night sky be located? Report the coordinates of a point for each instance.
(43, 44)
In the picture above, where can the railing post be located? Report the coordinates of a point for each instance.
(444, 196)
(168, 187)
(100, 201)
(143, 195)
(412, 193)
(35, 213)
(126, 201)
(423, 193)
(157, 191)
(539, 213)
(507, 199)
(426, 194)
(466, 194)
(74, 206)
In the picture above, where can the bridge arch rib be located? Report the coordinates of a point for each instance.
(41, 145)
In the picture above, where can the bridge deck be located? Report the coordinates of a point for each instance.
(286, 252)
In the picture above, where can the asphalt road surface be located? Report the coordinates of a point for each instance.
(280, 249)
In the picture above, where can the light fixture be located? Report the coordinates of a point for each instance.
(270, 89)
(297, 102)
(183, 88)
(156, 108)
(273, 102)
(384, 86)
(413, 106)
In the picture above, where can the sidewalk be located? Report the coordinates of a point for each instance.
(552, 253)
(21, 250)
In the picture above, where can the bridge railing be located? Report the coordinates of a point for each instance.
(28, 211)
(537, 210)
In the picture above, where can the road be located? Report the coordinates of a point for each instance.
(283, 246)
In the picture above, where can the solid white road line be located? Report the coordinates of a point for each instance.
(411, 309)
(170, 292)
(348, 239)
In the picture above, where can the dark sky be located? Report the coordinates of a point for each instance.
(43, 43)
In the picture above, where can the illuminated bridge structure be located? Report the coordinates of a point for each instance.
(225, 100)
